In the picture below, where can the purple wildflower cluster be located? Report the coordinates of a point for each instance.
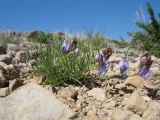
(104, 64)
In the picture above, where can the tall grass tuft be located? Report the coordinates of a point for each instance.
(59, 68)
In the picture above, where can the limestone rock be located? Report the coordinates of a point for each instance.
(32, 102)
(155, 70)
(120, 114)
(14, 84)
(135, 117)
(153, 112)
(115, 57)
(97, 93)
(111, 105)
(91, 117)
(69, 93)
(4, 92)
(136, 103)
(136, 81)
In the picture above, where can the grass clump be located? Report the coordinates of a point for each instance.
(59, 68)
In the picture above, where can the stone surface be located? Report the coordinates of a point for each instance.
(153, 112)
(135, 117)
(136, 81)
(14, 84)
(12, 47)
(4, 92)
(32, 102)
(91, 117)
(155, 70)
(119, 114)
(136, 103)
(97, 93)
(69, 93)
(115, 57)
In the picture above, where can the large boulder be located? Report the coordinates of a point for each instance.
(32, 102)
(136, 103)
(97, 93)
(153, 112)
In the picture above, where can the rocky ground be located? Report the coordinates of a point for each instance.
(131, 98)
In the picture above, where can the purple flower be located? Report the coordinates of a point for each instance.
(144, 66)
(103, 68)
(65, 47)
(145, 73)
(76, 50)
(123, 65)
(103, 64)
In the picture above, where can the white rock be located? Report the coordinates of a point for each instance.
(4, 92)
(32, 102)
(97, 93)
(155, 70)
(91, 117)
(153, 112)
(136, 103)
(120, 114)
(69, 93)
